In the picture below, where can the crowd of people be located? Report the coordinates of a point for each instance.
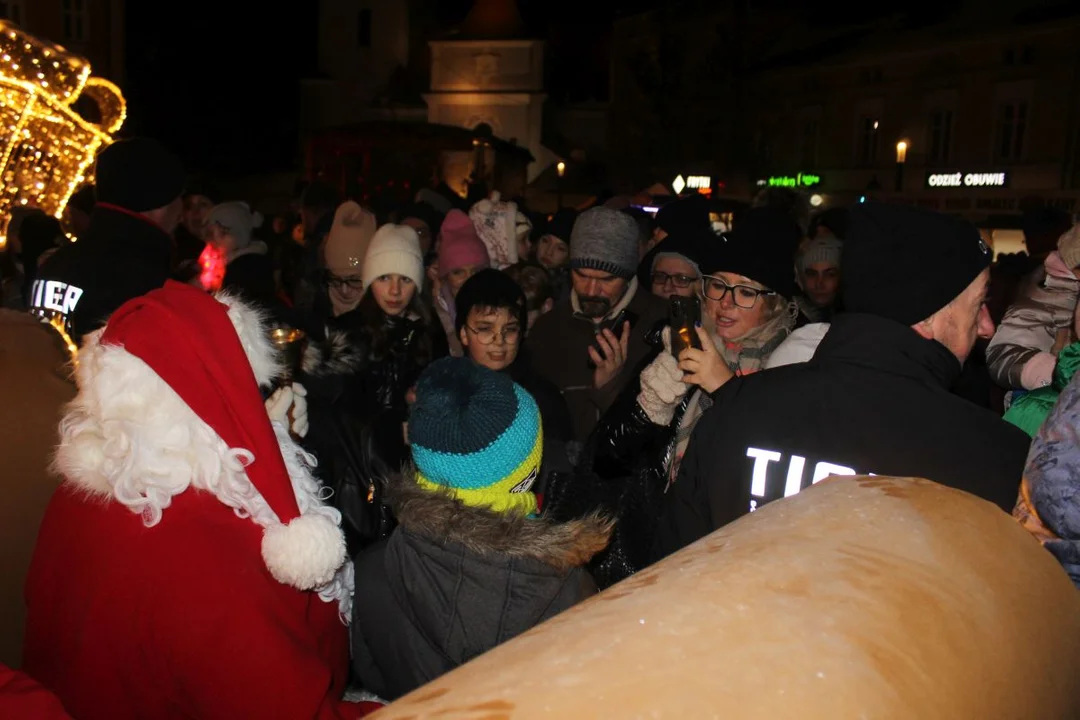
(306, 473)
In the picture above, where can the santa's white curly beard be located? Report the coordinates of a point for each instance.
(129, 436)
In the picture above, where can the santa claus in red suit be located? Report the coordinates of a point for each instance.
(187, 567)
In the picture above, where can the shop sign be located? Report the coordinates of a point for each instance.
(966, 179)
(798, 180)
(700, 183)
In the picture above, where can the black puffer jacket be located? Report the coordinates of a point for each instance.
(622, 473)
(454, 581)
(347, 365)
(356, 409)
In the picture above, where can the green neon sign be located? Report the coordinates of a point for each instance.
(800, 180)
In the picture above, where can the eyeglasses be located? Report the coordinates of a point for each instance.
(510, 335)
(344, 283)
(679, 281)
(743, 296)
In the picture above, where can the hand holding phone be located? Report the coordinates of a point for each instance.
(684, 315)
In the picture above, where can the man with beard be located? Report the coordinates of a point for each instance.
(594, 341)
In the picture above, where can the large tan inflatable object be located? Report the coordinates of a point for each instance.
(865, 597)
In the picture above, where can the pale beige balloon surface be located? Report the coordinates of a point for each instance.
(858, 598)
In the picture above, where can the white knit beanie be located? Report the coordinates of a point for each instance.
(237, 219)
(395, 249)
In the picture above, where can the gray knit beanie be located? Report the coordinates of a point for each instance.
(820, 250)
(606, 240)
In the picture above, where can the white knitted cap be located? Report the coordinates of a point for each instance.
(394, 249)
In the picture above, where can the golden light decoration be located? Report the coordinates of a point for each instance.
(47, 145)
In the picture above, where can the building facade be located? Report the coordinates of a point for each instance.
(93, 29)
(367, 50)
(977, 116)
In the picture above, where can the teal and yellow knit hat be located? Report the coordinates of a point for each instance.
(477, 434)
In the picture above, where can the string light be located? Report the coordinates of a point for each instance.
(56, 322)
(48, 147)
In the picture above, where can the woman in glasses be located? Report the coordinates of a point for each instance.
(675, 268)
(746, 292)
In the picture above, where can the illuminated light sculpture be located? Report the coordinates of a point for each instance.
(47, 146)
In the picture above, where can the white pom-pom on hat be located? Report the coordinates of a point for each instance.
(306, 553)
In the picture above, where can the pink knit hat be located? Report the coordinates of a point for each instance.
(460, 245)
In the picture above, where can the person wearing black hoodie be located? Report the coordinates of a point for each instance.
(126, 251)
(874, 398)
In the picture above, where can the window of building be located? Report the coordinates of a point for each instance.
(12, 10)
(941, 122)
(867, 140)
(808, 145)
(363, 28)
(76, 24)
(1012, 130)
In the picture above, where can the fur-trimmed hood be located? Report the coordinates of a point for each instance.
(455, 581)
(341, 353)
(444, 519)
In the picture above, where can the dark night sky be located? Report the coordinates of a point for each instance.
(219, 82)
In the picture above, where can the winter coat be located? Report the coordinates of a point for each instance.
(873, 399)
(122, 255)
(1027, 332)
(35, 384)
(180, 620)
(345, 366)
(454, 581)
(555, 416)
(623, 474)
(560, 341)
(1030, 410)
(250, 273)
(1051, 479)
(23, 697)
(356, 411)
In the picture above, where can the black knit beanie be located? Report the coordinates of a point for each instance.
(761, 247)
(687, 216)
(138, 174)
(906, 263)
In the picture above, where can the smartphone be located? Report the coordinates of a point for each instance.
(684, 313)
(614, 324)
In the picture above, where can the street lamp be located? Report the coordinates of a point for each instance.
(901, 158)
(560, 169)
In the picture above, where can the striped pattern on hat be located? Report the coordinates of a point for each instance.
(477, 435)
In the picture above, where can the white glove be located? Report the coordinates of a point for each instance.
(662, 386)
(289, 398)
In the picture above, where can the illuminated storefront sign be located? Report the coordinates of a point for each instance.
(962, 179)
(700, 183)
(798, 180)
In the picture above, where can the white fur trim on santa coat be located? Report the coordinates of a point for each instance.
(128, 437)
(251, 328)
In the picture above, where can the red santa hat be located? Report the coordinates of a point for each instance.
(214, 357)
